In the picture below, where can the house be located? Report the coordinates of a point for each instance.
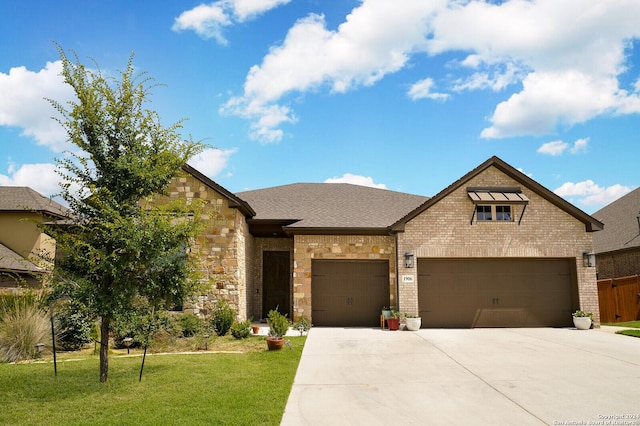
(494, 249)
(617, 247)
(25, 251)
(617, 250)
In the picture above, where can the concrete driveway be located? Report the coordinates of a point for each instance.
(525, 376)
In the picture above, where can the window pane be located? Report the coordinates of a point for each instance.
(483, 212)
(503, 213)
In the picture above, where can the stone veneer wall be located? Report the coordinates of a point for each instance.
(444, 230)
(336, 247)
(221, 247)
(254, 286)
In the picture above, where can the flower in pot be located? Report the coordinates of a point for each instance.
(393, 322)
(412, 322)
(278, 326)
(582, 320)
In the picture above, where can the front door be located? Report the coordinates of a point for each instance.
(276, 279)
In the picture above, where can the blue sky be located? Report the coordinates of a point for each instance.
(407, 95)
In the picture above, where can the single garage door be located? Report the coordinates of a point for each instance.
(348, 293)
(496, 292)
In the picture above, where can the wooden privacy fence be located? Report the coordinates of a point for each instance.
(619, 299)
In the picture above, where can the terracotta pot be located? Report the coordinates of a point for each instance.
(393, 323)
(256, 329)
(275, 343)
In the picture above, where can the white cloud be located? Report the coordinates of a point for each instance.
(556, 148)
(22, 103)
(39, 177)
(580, 146)
(356, 180)
(208, 21)
(566, 55)
(588, 193)
(376, 39)
(211, 162)
(553, 148)
(422, 90)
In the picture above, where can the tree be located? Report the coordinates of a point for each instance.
(121, 246)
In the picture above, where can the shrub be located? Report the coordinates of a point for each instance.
(278, 323)
(222, 318)
(139, 324)
(73, 325)
(241, 329)
(191, 324)
(23, 324)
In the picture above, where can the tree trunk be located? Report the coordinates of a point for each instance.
(104, 349)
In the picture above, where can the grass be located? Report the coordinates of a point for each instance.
(630, 324)
(249, 388)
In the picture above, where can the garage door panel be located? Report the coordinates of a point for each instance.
(349, 293)
(495, 292)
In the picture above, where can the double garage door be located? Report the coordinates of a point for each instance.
(348, 293)
(467, 293)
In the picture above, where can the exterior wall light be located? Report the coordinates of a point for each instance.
(589, 259)
(408, 260)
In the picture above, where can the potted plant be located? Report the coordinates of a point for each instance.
(582, 320)
(393, 322)
(412, 322)
(386, 312)
(278, 326)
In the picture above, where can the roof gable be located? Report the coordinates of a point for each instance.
(591, 224)
(622, 224)
(234, 200)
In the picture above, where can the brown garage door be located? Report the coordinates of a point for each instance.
(496, 292)
(348, 293)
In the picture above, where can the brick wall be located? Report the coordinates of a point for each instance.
(623, 263)
(444, 230)
(310, 247)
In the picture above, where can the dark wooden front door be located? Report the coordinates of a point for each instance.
(276, 279)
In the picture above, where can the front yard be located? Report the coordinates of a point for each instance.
(248, 387)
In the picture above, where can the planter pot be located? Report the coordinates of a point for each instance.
(256, 329)
(275, 343)
(386, 313)
(393, 323)
(413, 324)
(582, 323)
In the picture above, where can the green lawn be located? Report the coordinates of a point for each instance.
(630, 324)
(202, 389)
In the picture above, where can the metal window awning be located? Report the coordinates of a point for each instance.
(497, 196)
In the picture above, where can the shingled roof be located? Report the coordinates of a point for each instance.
(335, 207)
(22, 198)
(12, 261)
(622, 224)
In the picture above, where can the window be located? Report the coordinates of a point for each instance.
(503, 213)
(483, 212)
(489, 212)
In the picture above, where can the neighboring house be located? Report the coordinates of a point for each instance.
(617, 247)
(25, 251)
(494, 249)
